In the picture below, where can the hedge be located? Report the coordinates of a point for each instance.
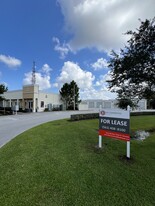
(76, 117)
(142, 113)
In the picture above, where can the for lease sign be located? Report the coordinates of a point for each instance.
(114, 124)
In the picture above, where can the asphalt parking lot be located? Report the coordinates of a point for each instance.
(13, 125)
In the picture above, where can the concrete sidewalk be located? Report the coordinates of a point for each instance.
(13, 125)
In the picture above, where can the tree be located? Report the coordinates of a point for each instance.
(133, 70)
(152, 103)
(70, 95)
(124, 102)
(65, 93)
(3, 89)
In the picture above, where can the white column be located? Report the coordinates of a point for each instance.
(37, 107)
(100, 108)
(10, 102)
(145, 102)
(34, 105)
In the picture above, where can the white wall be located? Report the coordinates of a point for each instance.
(12, 98)
(48, 99)
(142, 104)
(83, 106)
(17, 94)
(95, 104)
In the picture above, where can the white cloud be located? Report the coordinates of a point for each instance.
(62, 49)
(100, 64)
(42, 77)
(55, 85)
(10, 61)
(99, 90)
(85, 81)
(102, 80)
(93, 93)
(101, 23)
(72, 71)
(46, 69)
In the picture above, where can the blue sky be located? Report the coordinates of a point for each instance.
(68, 40)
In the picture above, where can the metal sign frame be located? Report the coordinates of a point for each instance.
(115, 123)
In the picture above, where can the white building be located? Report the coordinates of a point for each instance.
(30, 98)
(95, 104)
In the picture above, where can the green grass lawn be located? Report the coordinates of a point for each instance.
(58, 164)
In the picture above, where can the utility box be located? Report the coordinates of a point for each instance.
(17, 108)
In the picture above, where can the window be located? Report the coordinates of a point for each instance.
(107, 105)
(98, 104)
(91, 105)
(42, 104)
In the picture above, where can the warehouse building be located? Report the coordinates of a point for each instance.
(95, 104)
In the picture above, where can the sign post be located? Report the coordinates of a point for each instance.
(128, 149)
(100, 141)
(128, 142)
(115, 123)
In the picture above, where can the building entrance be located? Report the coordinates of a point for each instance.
(29, 105)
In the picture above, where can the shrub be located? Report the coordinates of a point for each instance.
(46, 110)
(142, 113)
(76, 117)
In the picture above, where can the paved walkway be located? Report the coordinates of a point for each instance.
(13, 125)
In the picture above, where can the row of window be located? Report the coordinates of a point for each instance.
(98, 104)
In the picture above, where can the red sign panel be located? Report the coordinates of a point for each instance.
(116, 135)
